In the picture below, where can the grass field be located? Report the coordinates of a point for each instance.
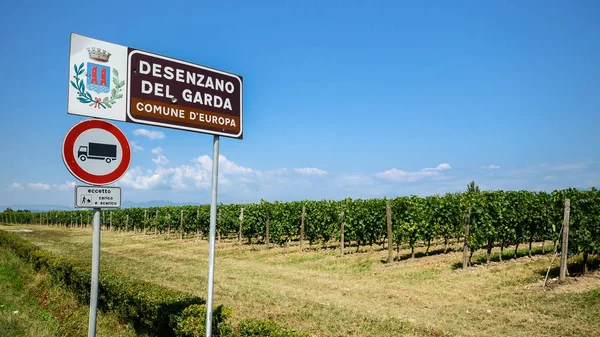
(20, 315)
(356, 295)
(31, 306)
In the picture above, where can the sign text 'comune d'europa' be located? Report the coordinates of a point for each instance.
(167, 91)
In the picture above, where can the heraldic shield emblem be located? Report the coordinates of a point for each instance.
(94, 78)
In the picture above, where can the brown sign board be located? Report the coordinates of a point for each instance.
(178, 94)
(115, 82)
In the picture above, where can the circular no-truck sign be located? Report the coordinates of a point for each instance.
(96, 152)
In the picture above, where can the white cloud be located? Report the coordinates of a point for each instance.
(310, 171)
(491, 167)
(226, 166)
(444, 166)
(400, 175)
(15, 186)
(551, 178)
(161, 160)
(68, 186)
(140, 180)
(395, 174)
(183, 175)
(229, 167)
(135, 147)
(152, 135)
(186, 176)
(38, 186)
(157, 150)
(440, 167)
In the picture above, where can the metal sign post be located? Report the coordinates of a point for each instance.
(213, 229)
(95, 274)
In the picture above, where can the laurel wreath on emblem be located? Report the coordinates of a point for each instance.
(85, 97)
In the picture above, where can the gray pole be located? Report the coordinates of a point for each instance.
(95, 273)
(213, 225)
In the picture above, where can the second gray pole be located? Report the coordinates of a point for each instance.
(213, 226)
(95, 273)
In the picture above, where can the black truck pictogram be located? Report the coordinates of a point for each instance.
(106, 152)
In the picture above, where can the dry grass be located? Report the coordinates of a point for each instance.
(355, 295)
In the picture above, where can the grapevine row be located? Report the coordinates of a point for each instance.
(497, 218)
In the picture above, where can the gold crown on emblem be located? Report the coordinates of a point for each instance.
(98, 54)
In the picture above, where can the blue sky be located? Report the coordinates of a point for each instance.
(341, 98)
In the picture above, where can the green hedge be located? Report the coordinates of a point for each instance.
(192, 322)
(150, 308)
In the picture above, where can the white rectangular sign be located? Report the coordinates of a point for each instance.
(97, 77)
(97, 197)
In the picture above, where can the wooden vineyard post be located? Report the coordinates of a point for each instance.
(268, 228)
(181, 226)
(156, 223)
(565, 241)
(127, 222)
(466, 242)
(388, 213)
(169, 225)
(302, 228)
(342, 235)
(219, 225)
(198, 222)
(241, 222)
(111, 226)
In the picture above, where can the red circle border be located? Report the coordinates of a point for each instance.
(71, 162)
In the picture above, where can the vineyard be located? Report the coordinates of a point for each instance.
(495, 219)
